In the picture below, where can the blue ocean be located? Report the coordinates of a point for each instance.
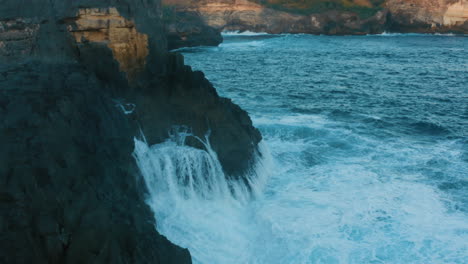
(364, 157)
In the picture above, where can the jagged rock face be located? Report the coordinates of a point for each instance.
(84, 30)
(105, 25)
(186, 98)
(70, 191)
(244, 15)
(187, 29)
(17, 37)
(428, 15)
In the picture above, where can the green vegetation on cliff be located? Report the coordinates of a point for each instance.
(363, 8)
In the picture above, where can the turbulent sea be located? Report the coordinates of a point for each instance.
(364, 153)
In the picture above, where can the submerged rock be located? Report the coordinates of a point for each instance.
(78, 81)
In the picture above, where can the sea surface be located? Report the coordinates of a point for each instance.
(364, 153)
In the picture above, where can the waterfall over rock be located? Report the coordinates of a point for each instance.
(194, 200)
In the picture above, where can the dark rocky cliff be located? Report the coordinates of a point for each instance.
(187, 29)
(70, 191)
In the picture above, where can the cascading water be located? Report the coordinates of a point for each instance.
(193, 202)
(369, 147)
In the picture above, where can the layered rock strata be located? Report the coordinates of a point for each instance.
(129, 47)
(369, 17)
(428, 16)
(243, 15)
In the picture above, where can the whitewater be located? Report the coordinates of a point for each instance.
(364, 157)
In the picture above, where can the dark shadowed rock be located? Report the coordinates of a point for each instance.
(70, 191)
(187, 29)
(186, 98)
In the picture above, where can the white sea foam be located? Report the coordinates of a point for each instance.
(351, 209)
(355, 177)
(194, 204)
(394, 34)
(243, 33)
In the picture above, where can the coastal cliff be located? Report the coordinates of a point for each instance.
(79, 80)
(332, 17)
(243, 15)
(187, 29)
(428, 16)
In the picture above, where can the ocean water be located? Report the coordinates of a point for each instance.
(365, 153)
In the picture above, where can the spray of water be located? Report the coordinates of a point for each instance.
(338, 212)
(369, 153)
(187, 190)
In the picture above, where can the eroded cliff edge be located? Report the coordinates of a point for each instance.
(188, 29)
(428, 16)
(78, 81)
(259, 16)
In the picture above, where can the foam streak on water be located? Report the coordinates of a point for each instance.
(243, 33)
(369, 146)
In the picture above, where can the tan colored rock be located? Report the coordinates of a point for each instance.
(429, 15)
(106, 25)
(245, 15)
(406, 16)
(456, 14)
